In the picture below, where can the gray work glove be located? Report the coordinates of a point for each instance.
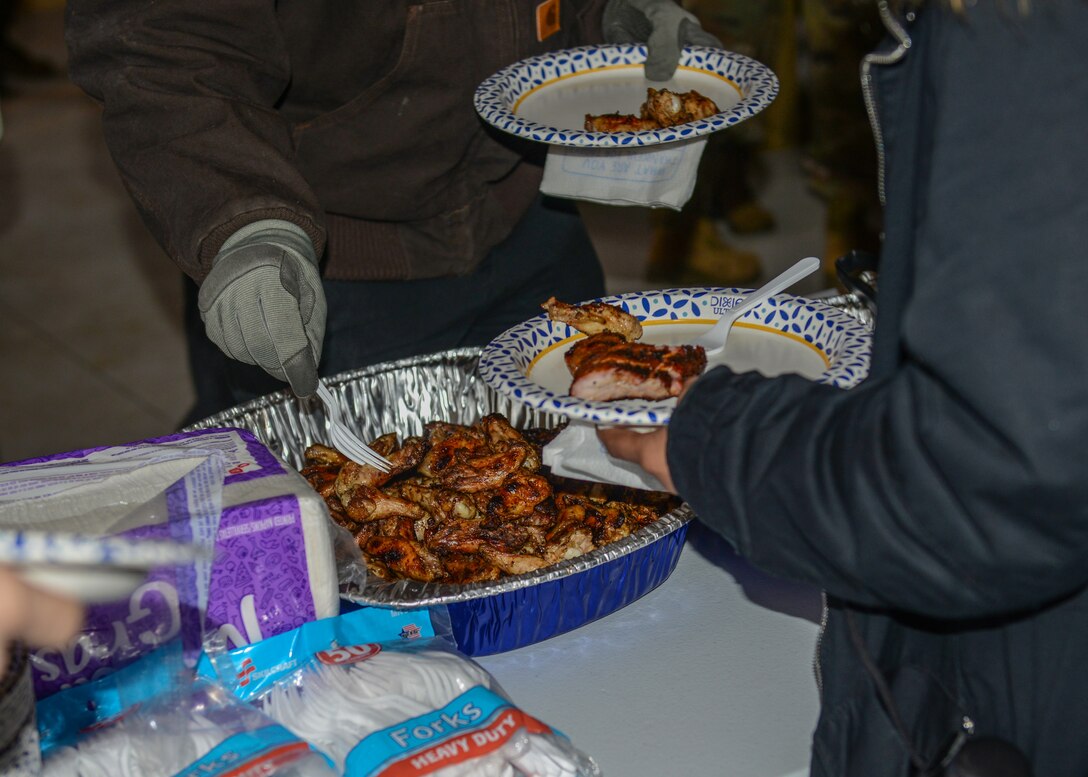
(262, 303)
(662, 25)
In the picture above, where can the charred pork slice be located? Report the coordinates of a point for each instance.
(607, 367)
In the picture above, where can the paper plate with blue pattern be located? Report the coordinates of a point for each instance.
(546, 98)
(786, 334)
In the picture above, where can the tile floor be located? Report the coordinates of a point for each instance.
(91, 345)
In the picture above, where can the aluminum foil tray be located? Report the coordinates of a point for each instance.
(854, 305)
(489, 617)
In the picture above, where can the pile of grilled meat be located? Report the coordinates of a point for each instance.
(609, 364)
(471, 503)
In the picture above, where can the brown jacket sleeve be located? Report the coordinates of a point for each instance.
(188, 92)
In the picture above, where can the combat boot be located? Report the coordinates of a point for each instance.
(750, 218)
(713, 262)
(670, 245)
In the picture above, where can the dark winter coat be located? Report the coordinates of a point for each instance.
(942, 504)
(354, 120)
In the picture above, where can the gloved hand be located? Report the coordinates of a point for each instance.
(262, 303)
(663, 25)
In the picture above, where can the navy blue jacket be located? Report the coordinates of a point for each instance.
(942, 504)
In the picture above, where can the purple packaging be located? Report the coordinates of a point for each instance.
(274, 566)
(260, 579)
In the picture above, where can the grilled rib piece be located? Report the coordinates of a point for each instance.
(594, 318)
(607, 367)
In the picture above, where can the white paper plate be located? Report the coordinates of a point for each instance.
(91, 569)
(546, 98)
(786, 334)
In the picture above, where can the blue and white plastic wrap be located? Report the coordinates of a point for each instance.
(154, 718)
(384, 692)
(490, 617)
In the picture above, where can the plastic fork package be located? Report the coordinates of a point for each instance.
(383, 692)
(156, 718)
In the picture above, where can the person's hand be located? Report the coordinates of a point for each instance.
(34, 616)
(647, 449)
(262, 303)
(663, 25)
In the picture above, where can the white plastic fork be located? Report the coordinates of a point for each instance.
(713, 340)
(344, 439)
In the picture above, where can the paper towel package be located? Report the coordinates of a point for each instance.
(274, 564)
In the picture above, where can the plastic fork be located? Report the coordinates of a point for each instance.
(344, 439)
(713, 340)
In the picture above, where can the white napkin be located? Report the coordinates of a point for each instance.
(658, 176)
(576, 452)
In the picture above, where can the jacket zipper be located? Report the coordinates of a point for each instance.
(868, 89)
(868, 92)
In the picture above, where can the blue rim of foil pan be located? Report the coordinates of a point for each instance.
(487, 617)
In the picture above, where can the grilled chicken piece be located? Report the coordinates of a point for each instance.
(568, 539)
(404, 557)
(450, 447)
(498, 429)
(403, 459)
(318, 455)
(661, 109)
(444, 504)
(455, 536)
(668, 109)
(517, 496)
(469, 568)
(367, 503)
(544, 516)
(618, 122)
(353, 475)
(503, 436)
(513, 563)
(439, 431)
(594, 318)
(322, 479)
(482, 473)
(607, 521)
(538, 436)
(406, 456)
(607, 367)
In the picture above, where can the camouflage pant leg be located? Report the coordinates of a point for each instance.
(731, 164)
(838, 34)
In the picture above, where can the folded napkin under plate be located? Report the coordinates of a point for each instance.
(661, 176)
(577, 452)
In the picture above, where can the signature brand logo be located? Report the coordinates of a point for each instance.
(720, 303)
(245, 671)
